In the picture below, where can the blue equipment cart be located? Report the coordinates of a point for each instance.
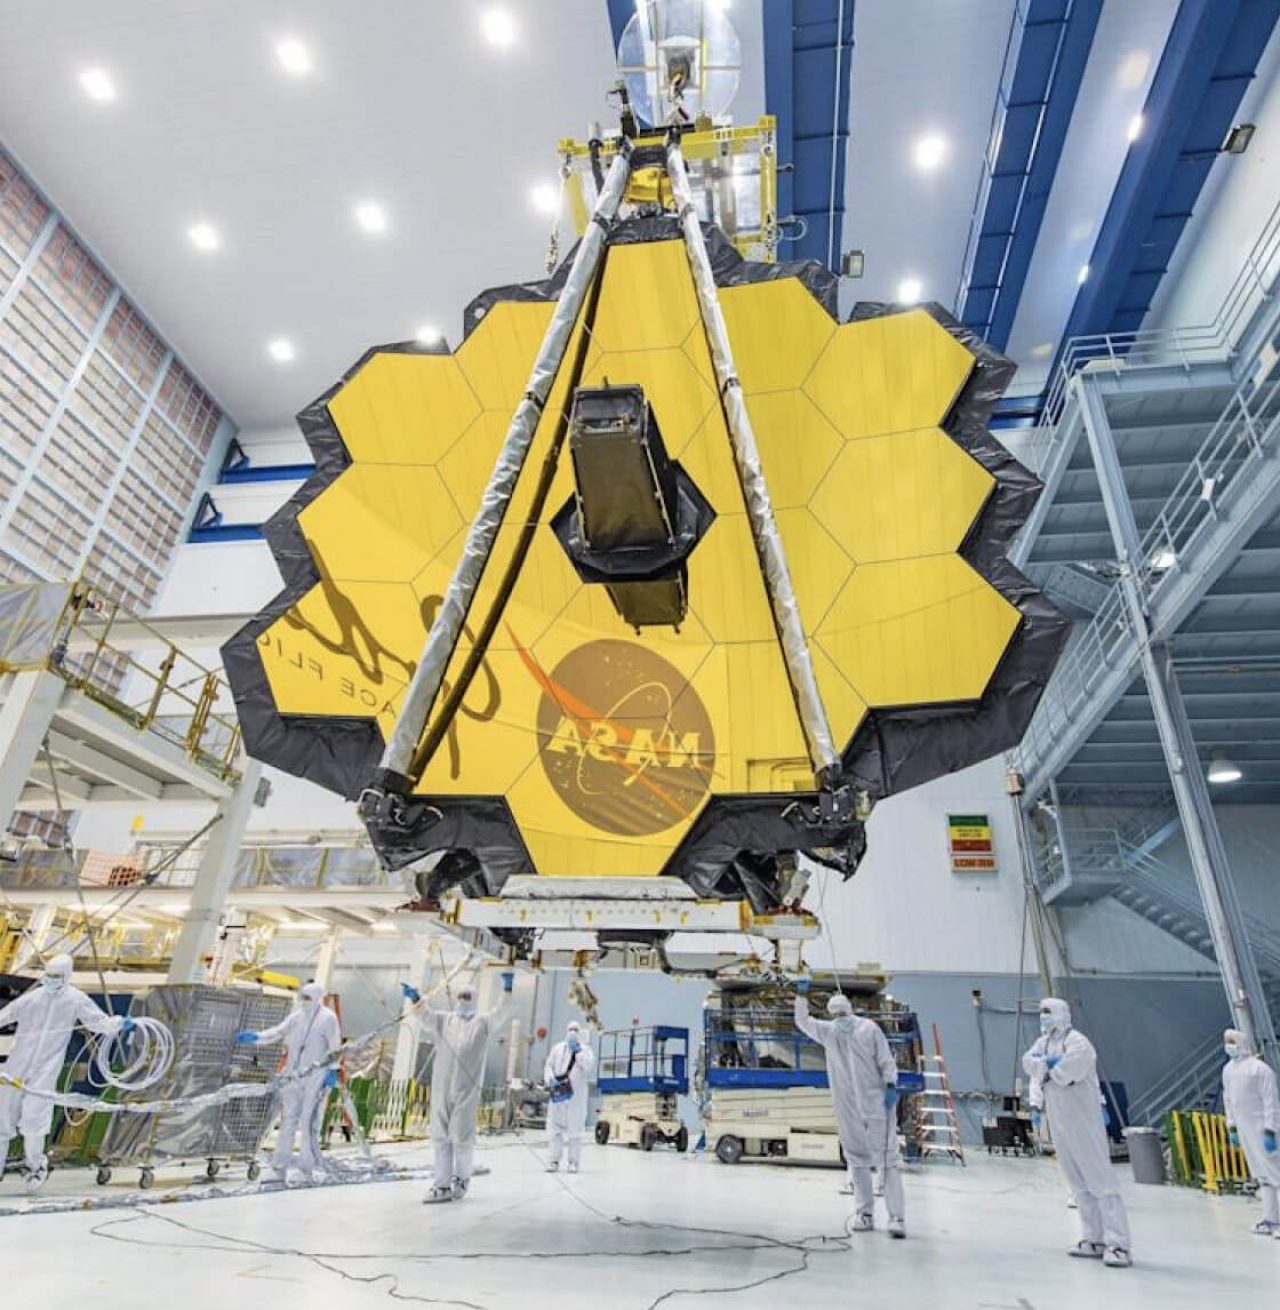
(642, 1073)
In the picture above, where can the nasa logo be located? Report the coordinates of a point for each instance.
(624, 739)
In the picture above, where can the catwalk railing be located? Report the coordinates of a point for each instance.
(67, 628)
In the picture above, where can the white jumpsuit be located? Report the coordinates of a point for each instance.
(1071, 1097)
(860, 1066)
(457, 1077)
(567, 1120)
(311, 1033)
(1252, 1106)
(46, 1018)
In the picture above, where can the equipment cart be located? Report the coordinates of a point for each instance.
(204, 1021)
(642, 1073)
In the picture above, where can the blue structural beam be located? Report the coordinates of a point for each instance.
(808, 55)
(267, 473)
(1211, 56)
(1049, 44)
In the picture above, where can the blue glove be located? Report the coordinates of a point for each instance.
(508, 979)
(331, 1078)
(1106, 1116)
(1269, 1142)
(1052, 1061)
(246, 1037)
(802, 986)
(1233, 1138)
(411, 994)
(127, 1026)
(890, 1097)
(574, 1044)
(1036, 1119)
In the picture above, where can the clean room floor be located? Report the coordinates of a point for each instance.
(634, 1231)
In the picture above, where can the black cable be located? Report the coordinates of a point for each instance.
(804, 1247)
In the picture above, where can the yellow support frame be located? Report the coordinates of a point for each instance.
(756, 140)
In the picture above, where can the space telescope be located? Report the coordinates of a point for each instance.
(621, 617)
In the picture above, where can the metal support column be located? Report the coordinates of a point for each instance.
(25, 716)
(1245, 995)
(1060, 831)
(326, 959)
(213, 880)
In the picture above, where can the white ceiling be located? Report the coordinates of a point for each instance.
(410, 106)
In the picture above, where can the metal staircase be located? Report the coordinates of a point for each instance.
(1195, 1081)
(1099, 858)
(1178, 913)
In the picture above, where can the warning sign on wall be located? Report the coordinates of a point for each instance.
(970, 842)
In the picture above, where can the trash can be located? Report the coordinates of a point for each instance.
(1146, 1155)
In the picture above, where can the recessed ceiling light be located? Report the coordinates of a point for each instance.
(1082, 276)
(427, 335)
(294, 57)
(545, 198)
(371, 217)
(1042, 350)
(929, 152)
(1133, 70)
(204, 236)
(499, 27)
(281, 350)
(1136, 124)
(910, 289)
(97, 84)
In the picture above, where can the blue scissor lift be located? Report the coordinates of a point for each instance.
(642, 1073)
(764, 1083)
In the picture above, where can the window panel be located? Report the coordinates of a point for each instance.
(22, 212)
(143, 520)
(120, 575)
(25, 407)
(71, 275)
(166, 461)
(133, 347)
(42, 338)
(47, 531)
(186, 404)
(108, 401)
(8, 268)
(10, 472)
(78, 463)
(11, 570)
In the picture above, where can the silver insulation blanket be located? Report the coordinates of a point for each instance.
(447, 628)
(764, 528)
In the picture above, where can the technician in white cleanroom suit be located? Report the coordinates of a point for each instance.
(863, 1077)
(46, 1015)
(1252, 1107)
(312, 1037)
(461, 1039)
(567, 1075)
(1062, 1067)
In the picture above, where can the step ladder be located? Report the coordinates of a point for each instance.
(937, 1127)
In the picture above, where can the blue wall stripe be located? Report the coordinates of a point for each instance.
(1034, 105)
(802, 39)
(1211, 56)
